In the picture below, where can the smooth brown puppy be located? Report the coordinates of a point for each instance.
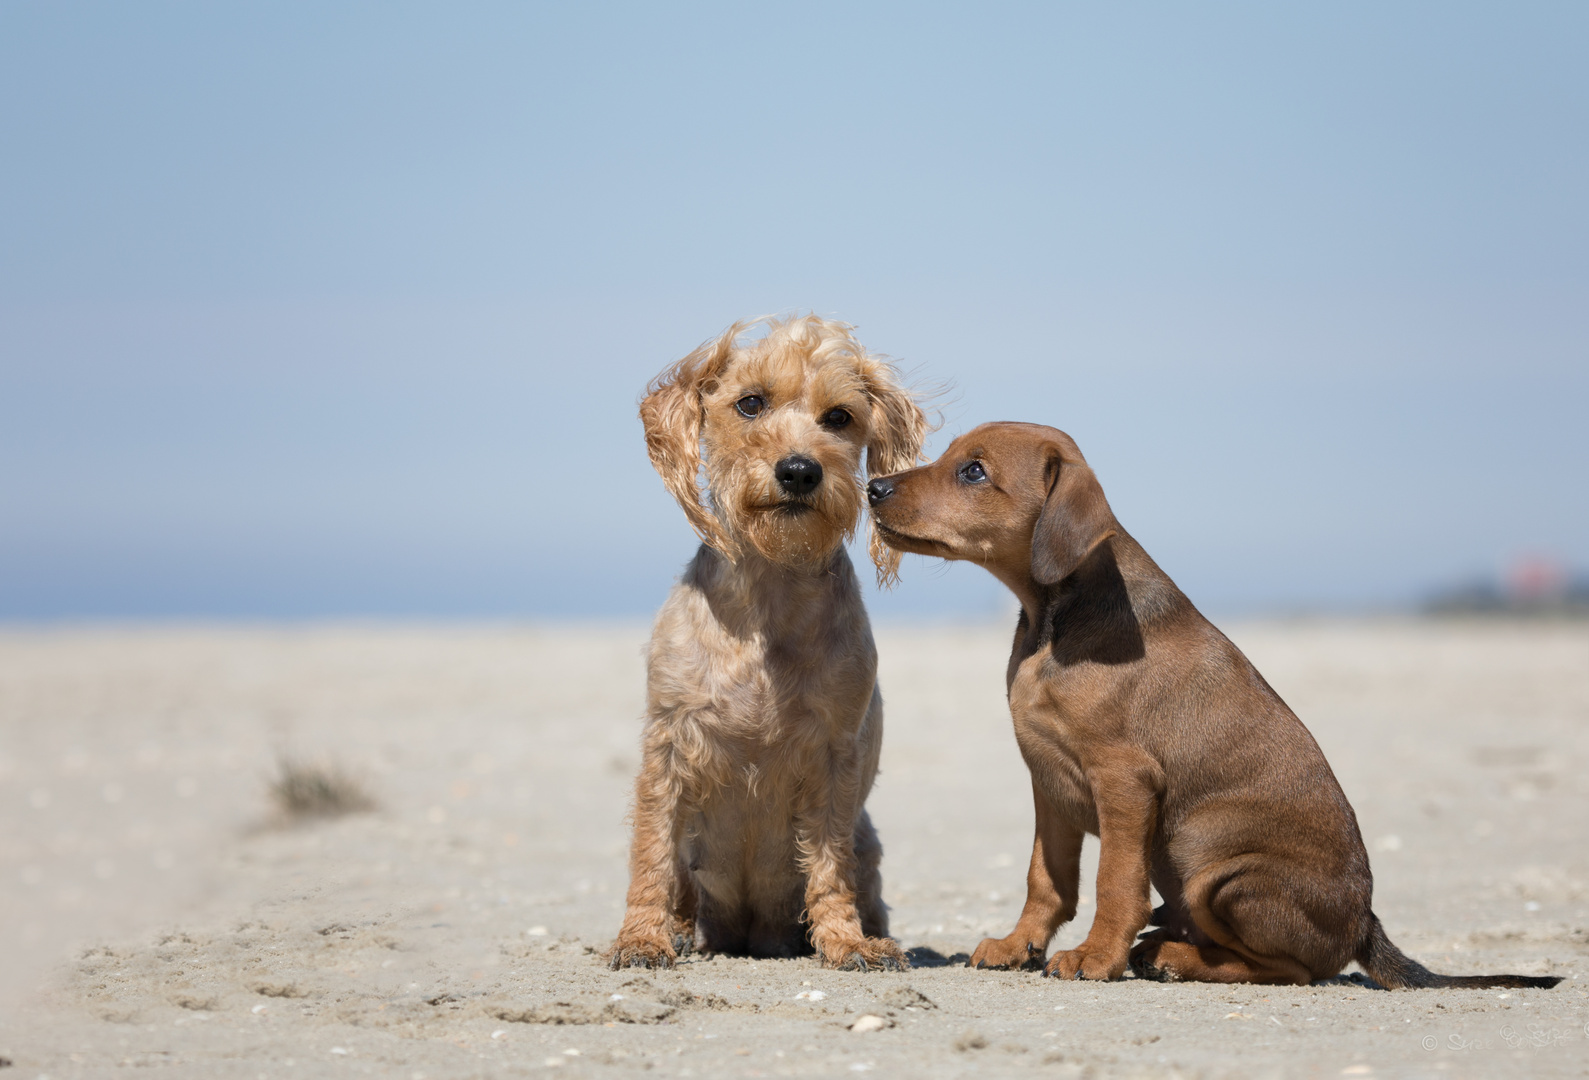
(1142, 724)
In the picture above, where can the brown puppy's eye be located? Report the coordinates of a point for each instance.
(750, 406)
(835, 418)
(972, 472)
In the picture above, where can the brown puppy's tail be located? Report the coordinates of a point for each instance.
(1394, 970)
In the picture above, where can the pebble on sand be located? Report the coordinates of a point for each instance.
(869, 1022)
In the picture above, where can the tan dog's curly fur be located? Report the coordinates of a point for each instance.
(764, 722)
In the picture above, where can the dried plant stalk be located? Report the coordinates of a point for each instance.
(304, 789)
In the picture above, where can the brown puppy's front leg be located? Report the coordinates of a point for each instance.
(646, 937)
(1052, 882)
(1127, 801)
(825, 833)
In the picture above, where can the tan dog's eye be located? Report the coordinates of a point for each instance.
(972, 472)
(751, 405)
(835, 418)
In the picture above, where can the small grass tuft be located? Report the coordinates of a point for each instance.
(303, 789)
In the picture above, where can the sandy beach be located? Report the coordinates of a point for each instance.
(159, 920)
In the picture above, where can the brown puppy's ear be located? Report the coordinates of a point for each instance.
(672, 413)
(898, 428)
(1076, 518)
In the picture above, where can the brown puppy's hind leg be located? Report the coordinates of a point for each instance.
(1182, 961)
(1246, 925)
(1052, 883)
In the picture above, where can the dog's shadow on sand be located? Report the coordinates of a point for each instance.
(923, 957)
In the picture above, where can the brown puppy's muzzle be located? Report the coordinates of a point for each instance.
(886, 516)
(878, 492)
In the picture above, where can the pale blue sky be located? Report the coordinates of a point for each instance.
(337, 309)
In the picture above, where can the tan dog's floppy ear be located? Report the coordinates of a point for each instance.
(1076, 518)
(898, 428)
(672, 414)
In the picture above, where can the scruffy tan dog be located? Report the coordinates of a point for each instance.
(764, 721)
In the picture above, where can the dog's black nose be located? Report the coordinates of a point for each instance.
(799, 475)
(878, 490)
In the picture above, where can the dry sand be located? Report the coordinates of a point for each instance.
(156, 922)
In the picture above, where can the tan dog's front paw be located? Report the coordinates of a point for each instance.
(1015, 951)
(1087, 962)
(866, 954)
(634, 950)
(683, 938)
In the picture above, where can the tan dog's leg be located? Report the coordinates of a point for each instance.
(1052, 882)
(869, 879)
(686, 905)
(658, 882)
(1127, 808)
(826, 837)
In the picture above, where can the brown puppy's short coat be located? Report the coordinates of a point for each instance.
(1142, 724)
(764, 722)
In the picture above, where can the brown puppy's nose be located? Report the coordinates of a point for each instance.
(878, 490)
(798, 475)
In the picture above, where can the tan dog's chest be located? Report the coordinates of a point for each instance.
(751, 704)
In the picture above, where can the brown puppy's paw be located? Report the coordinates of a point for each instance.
(634, 951)
(1144, 960)
(1013, 952)
(1087, 962)
(867, 954)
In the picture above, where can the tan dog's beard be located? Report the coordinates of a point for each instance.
(783, 530)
